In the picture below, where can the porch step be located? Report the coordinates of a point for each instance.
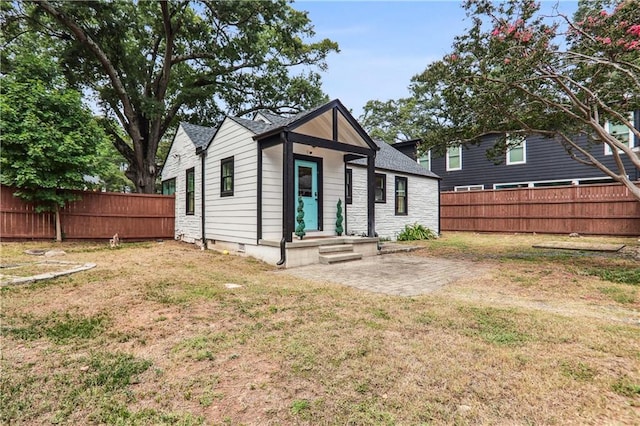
(335, 248)
(330, 258)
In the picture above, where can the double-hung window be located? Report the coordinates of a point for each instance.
(348, 190)
(191, 191)
(169, 187)
(226, 177)
(381, 188)
(620, 132)
(425, 160)
(517, 152)
(454, 158)
(401, 196)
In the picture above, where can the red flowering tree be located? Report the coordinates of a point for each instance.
(518, 71)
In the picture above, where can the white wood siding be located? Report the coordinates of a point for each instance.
(182, 156)
(422, 205)
(272, 193)
(232, 218)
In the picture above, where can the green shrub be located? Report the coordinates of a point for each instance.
(416, 232)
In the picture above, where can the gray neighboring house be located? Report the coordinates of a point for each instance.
(534, 162)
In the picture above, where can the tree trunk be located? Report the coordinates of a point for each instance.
(143, 179)
(58, 225)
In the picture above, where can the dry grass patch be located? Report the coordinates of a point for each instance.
(153, 336)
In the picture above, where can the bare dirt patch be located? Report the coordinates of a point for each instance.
(153, 336)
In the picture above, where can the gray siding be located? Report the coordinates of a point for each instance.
(546, 160)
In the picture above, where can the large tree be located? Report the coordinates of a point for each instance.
(519, 71)
(150, 64)
(49, 138)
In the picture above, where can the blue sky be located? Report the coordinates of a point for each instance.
(384, 43)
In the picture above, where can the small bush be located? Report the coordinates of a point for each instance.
(416, 232)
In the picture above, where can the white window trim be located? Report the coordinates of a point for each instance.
(532, 184)
(449, 169)
(524, 154)
(428, 155)
(632, 138)
(464, 188)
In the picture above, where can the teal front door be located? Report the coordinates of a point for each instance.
(306, 186)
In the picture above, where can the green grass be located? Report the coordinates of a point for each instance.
(625, 387)
(113, 371)
(496, 326)
(203, 347)
(532, 341)
(113, 413)
(620, 295)
(299, 405)
(620, 274)
(93, 381)
(577, 370)
(59, 328)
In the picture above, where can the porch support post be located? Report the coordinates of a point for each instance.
(259, 197)
(287, 188)
(371, 194)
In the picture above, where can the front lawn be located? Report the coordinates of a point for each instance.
(156, 335)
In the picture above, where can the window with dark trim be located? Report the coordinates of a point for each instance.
(348, 192)
(381, 188)
(401, 196)
(226, 177)
(191, 191)
(169, 186)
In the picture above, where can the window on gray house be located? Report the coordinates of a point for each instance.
(425, 160)
(517, 152)
(454, 158)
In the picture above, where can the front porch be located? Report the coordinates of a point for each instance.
(312, 250)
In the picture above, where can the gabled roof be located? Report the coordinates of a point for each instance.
(199, 135)
(389, 158)
(348, 128)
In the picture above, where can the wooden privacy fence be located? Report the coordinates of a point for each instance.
(593, 209)
(95, 215)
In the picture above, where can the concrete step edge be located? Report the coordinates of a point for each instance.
(339, 257)
(335, 248)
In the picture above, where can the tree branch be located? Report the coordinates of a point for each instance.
(83, 38)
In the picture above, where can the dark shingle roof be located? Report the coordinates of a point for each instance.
(275, 119)
(389, 158)
(256, 127)
(199, 135)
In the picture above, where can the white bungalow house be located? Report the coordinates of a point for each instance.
(237, 186)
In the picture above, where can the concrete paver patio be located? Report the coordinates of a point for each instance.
(398, 274)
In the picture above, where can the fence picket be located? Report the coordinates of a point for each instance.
(594, 209)
(96, 215)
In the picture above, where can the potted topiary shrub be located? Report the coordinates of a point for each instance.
(300, 219)
(339, 218)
